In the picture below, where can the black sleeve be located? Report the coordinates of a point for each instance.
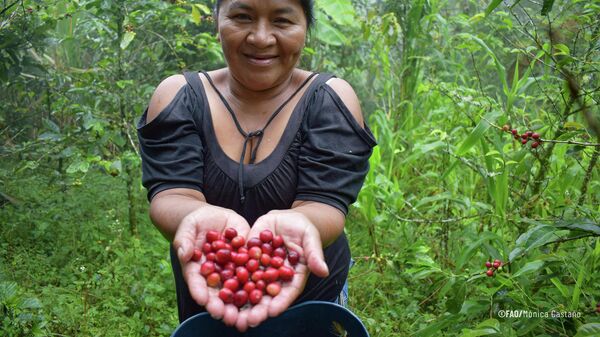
(171, 146)
(334, 157)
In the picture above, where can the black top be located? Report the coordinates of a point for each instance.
(322, 156)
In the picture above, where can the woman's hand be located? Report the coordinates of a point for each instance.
(191, 234)
(300, 235)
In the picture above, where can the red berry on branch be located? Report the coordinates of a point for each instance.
(524, 136)
(529, 133)
(488, 264)
(524, 141)
(490, 272)
(535, 144)
(514, 132)
(535, 135)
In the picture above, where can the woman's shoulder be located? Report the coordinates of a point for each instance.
(348, 96)
(339, 93)
(164, 94)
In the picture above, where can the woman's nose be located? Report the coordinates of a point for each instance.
(262, 35)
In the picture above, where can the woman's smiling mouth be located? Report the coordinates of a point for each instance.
(261, 60)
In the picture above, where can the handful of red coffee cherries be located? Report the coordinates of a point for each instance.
(245, 271)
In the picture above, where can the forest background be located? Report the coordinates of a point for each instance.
(442, 85)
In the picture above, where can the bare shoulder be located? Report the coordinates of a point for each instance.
(348, 96)
(164, 94)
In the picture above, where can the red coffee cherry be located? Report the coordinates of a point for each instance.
(490, 272)
(197, 254)
(276, 262)
(231, 284)
(207, 268)
(240, 298)
(286, 273)
(277, 241)
(535, 144)
(249, 286)
(535, 135)
(230, 233)
(293, 257)
(253, 242)
(255, 296)
(266, 236)
(213, 280)
(226, 295)
(242, 274)
(514, 132)
(223, 256)
(252, 265)
(274, 288)
(238, 242)
(255, 253)
(212, 236)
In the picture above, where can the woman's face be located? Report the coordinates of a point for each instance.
(262, 40)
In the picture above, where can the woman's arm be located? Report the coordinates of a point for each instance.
(168, 208)
(328, 220)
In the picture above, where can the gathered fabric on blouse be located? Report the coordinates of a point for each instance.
(322, 156)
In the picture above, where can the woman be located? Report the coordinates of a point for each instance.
(257, 145)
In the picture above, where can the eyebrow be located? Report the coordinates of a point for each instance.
(279, 11)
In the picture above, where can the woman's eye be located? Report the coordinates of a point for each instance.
(282, 20)
(242, 17)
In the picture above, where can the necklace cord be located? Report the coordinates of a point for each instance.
(249, 135)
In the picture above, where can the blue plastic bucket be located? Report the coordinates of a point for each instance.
(312, 319)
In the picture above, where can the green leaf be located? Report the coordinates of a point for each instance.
(196, 16)
(530, 267)
(492, 6)
(585, 225)
(433, 329)
(127, 38)
(455, 302)
(340, 11)
(327, 33)
(477, 133)
(588, 330)
(547, 6)
(78, 166)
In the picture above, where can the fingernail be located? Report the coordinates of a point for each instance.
(180, 252)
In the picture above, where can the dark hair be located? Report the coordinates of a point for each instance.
(307, 6)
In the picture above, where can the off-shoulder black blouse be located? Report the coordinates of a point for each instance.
(322, 156)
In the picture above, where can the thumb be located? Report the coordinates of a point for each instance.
(313, 250)
(184, 241)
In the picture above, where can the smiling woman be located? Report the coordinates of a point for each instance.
(257, 145)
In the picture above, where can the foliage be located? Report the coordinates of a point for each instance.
(448, 188)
